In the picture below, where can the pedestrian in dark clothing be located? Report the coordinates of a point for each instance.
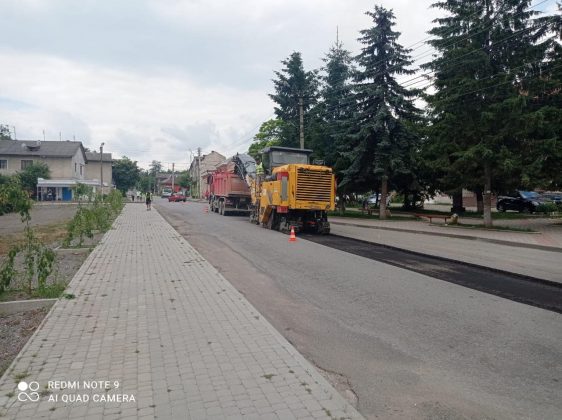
(148, 201)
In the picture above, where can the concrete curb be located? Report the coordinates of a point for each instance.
(15, 306)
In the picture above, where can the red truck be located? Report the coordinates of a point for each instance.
(229, 191)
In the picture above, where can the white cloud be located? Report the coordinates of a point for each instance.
(155, 78)
(133, 114)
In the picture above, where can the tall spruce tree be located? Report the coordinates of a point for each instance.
(486, 49)
(380, 140)
(335, 106)
(333, 112)
(541, 130)
(293, 85)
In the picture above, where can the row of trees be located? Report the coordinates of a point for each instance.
(127, 175)
(491, 99)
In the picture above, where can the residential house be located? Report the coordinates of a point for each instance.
(200, 169)
(93, 170)
(67, 162)
(171, 181)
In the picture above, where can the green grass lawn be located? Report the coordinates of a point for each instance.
(356, 214)
(472, 214)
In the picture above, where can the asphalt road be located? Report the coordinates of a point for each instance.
(531, 291)
(406, 344)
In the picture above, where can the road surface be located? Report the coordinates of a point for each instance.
(404, 344)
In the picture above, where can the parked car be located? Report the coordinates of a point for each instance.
(177, 197)
(166, 192)
(521, 201)
(373, 199)
(555, 197)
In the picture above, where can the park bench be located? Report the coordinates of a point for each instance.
(369, 210)
(433, 216)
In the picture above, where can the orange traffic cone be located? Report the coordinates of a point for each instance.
(292, 237)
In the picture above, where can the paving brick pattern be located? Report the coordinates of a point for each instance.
(155, 316)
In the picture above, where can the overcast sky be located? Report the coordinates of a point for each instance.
(154, 79)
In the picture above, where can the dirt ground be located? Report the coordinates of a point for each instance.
(41, 214)
(49, 222)
(15, 330)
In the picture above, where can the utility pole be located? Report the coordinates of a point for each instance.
(301, 115)
(199, 172)
(101, 170)
(173, 174)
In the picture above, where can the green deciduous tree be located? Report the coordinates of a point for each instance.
(381, 139)
(30, 175)
(126, 173)
(293, 86)
(183, 179)
(5, 132)
(268, 135)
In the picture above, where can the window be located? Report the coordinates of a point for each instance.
(279, 158)
(74, 167)
(80, 169)
(3, 164)
(25, 164)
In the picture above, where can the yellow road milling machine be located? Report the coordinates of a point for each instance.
(291, 192)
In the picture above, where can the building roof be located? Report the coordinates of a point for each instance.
(40, 148)
(95, 156)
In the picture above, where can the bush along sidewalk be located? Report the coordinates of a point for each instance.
(30, 269)
(38, 259)
(96, 215)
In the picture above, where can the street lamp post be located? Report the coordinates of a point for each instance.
(101, 170)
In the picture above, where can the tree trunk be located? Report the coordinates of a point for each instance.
(479, 201)
(384, 193)
(487, 195)
(457, 203)
(341, 204)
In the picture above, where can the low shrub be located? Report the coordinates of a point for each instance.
(548, 208)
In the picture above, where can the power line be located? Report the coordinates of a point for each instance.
(414, 60)
(407, 83)
(490, 87)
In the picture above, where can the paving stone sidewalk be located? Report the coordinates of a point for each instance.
(158, 322)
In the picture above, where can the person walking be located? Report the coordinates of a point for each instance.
(148, 201)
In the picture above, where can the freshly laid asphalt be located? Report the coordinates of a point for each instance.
(170, 335)
(517, 252)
